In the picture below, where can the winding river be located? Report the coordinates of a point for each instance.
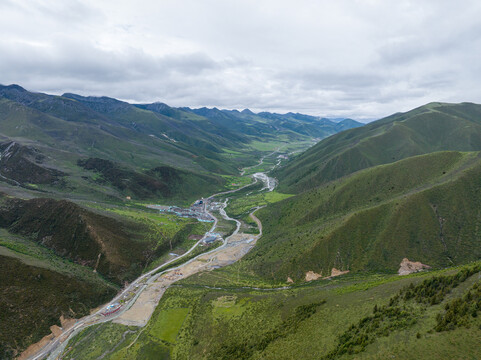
(142, 296)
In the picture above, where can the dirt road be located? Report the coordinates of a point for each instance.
(142, 296)
(235, 247)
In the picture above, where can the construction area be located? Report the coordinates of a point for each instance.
(235, 248)
(196, 211)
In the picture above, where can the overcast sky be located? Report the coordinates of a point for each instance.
(362, 59)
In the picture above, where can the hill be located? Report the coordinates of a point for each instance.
(431, 315)
(62, 259)
(424, 208)
(162, 152)
(75, 174)
(265, 124)
(430, 128)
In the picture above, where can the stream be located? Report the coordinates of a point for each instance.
(233, 248)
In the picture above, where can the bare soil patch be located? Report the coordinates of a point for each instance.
(408, 267)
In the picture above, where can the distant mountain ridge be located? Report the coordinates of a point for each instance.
(143, 137)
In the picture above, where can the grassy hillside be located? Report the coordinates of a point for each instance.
(160, 182)
(33, 298)
(147, 141)
(425, 208)
(62, 143)
(368, 317)
(116, 250)
(116, 242)
(37, 288)
(430, 128)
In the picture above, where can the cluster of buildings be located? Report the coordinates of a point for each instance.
(196, 211)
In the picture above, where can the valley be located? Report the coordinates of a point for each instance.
(178, 233)
(240, 180)
(135, 304)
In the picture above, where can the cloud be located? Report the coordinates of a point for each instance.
(363, 59)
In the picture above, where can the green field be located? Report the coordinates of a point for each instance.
(168, 323)
(328, 319)
(241, 206)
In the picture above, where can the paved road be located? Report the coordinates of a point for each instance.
(54, 349)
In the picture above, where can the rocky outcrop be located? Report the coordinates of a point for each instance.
(408, 267)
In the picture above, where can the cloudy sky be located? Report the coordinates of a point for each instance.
(363, 59)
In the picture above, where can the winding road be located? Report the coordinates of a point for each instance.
(142, 296)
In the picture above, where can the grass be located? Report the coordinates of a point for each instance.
(430, 128)
(235, 182)
(266, 146)
(308, 321)
(31, 253)
(229, 306)
(33, 299)
(166, 225)
(92, 342)
(168, 323)
(373, 219)
(240, 206)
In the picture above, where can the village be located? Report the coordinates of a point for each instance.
(197, 211)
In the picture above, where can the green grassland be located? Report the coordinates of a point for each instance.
(424, 208)
(34, 296)
(430, 128)
(234, 182)
(395, 317)
(33, 254)
(240, 207)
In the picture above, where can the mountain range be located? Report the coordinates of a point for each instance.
(75, 173)
(355, 206)
(187, 145)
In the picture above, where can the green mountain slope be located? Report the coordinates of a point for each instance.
(34, 297)
(433, 127)
(264, 124)
(196, 145)
(432, 315)
(117, 248)
(425, 208)
(59, 258)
